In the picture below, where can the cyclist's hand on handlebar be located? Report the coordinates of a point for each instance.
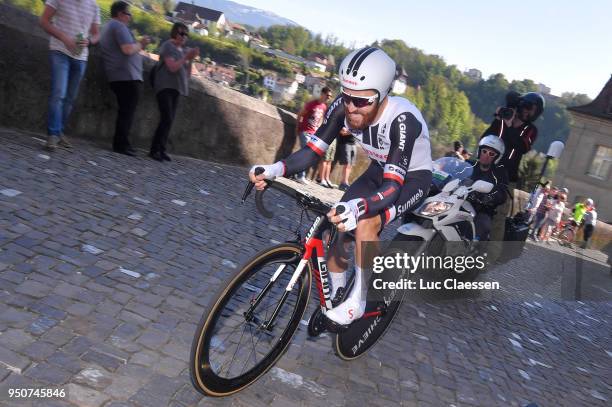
(270, 172)
(345, 215)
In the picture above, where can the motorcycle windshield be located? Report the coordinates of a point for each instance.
(446, 169)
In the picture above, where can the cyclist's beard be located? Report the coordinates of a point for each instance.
(359, 121)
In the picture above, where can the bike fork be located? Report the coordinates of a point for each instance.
(269, 324)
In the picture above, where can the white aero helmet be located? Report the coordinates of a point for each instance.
(368, 68)
(494, 143)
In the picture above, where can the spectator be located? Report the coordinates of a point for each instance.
(543, 205)
(346, 155)
(123, 66)
(580, 209)
(171, 80)
(72, 25)
(553, 217)
(590, 220)
(457, 151)
(325, 166)
(535, 199)
(308, 121)
(466, 155)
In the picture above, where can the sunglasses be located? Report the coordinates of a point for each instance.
(358, 101)
(183, 34)
(127, 13)
(490, 153)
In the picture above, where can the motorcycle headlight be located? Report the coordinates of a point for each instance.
(435, 208)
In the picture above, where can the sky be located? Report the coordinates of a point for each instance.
(566, 45)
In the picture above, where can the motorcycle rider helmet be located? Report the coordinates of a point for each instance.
(368, 68)
(589, 202)
(536, 99)
(495, 143)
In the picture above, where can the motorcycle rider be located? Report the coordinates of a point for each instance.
(490, 151)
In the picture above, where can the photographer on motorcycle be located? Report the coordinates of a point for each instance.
(513, 124)
(490, 151)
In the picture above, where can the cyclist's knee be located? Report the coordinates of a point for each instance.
(368, 228)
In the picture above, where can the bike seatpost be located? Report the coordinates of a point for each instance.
(250, 185)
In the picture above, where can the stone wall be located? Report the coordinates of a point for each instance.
(213, 122)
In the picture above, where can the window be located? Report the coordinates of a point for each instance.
(602, 161)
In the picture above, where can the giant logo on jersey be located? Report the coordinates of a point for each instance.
(402, 129)
(381, 137)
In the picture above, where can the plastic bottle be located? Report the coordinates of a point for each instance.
(79, 37)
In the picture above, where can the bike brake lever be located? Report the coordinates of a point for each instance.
(250, 185)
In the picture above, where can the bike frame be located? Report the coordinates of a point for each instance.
(313, 248)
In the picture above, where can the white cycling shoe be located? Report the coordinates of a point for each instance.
(350, 310)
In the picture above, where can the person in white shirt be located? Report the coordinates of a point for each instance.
(553, 217)
(72, 26)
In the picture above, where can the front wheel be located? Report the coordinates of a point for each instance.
(248, 326)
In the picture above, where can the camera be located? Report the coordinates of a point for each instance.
(513, 100)
(506, 113)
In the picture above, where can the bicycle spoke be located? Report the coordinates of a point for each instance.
(250, 353)
(236, 351)
(231, 356)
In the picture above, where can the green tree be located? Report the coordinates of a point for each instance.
(213, 30)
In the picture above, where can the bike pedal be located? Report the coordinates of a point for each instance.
(335, 327)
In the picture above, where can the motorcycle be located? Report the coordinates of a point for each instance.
(447, 215)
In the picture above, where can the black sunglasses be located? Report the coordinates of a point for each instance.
(183, 34)
(358, 101)
(490, 153)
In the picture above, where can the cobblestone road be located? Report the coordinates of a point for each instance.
(107, 261)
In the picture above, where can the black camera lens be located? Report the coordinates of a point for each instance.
(506, 113)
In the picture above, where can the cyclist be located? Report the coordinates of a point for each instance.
(394, 134)
(490, 151)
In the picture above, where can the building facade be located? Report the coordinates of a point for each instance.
(586, 163)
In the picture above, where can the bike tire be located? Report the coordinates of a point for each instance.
(363, 334)
(203, 377)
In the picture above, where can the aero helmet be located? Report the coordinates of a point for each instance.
(494, 143)
(368, 68)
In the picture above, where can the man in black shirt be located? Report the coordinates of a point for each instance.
(518, 133)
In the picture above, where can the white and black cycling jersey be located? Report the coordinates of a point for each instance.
(399, 138)
(398, 142)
